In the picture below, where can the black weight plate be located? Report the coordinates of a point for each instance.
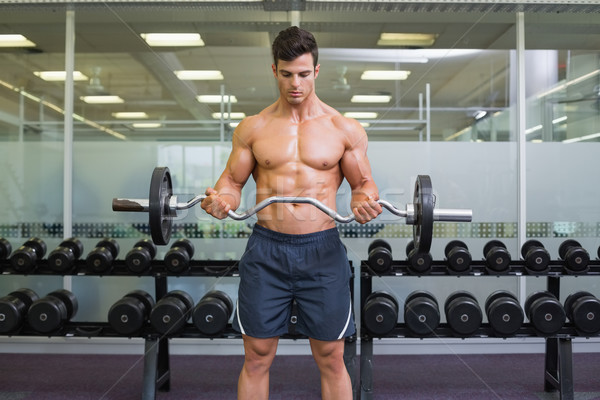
(27, 296)
(565, 246)
(421, 316)
(186, 244)
(535, 296)
(380, 259)
(547, 315)
(160, 218)
(224, 297)
(12, 312)
(47, 314)
(505, 316)
(176, 260)
(5, 248)
(210, 316)
(111, 244)
(528, 245)
(598, 252)
(169, 315)
(382, 294)
(452, 244)
(23, 260)
(99, 260)
(127, 316)
(420, 263)
(586, 315)
(423, 206)
(379, 243)
(498, 294)
(464, 316)
(69, 300)
(571, 299)
(455, 295)
(144, 297)
(380, 315)
(492, 243)
(419, 293)
(149, 245)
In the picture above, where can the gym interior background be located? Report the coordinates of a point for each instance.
(499, 103)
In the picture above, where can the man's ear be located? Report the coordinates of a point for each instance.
(317, 70)
(274, 68)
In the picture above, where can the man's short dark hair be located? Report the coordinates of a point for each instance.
(293, 42)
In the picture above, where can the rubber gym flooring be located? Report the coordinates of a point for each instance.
(120, 377)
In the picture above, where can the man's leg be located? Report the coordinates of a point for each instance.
(335, 381)
(254, 378)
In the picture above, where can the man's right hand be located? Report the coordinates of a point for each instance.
(214, 205)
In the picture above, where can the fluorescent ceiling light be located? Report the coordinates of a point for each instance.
(479, 114)
(15, 41)
(533, 129)
(102, 99)
(582, 138)
(233, 115)
(216, 98)
(130, 115)
(373, 75)
(234, 124)
(407, 39)
(365, 124)
(559, 120)
(361, 115)
(53, 76)
(146, 125)
(207, 75)
(172, 39)
(371, 98)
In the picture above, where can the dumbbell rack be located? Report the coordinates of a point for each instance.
(558, 373)
(156, 375)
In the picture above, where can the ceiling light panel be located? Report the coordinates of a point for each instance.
(130, 115)
(199, 75)
(216, 99)
(371, 98)
(57, 76)
(407, 39)
(361, 115)
(172, 39)
(15, 41)
(233, 115)
(102, 99)
(374, 75)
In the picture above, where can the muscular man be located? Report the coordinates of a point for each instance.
(298, 146)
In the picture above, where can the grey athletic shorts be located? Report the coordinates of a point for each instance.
(277, 268)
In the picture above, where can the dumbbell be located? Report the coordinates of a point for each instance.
(63, 258)
(576, 257)
(380, 256)
(380, 313)
(419, 263)
(139, 257)
(463, 313)
(211, 314)
(170, 313)
(504, 313)
(421, 313)
(13, 309)
(49, 313)
(537, 258)
(25, 258)
(458, 256)
(583, 310)
(177, 259)
(5, 248)
(545, 312)
(100, 259)
(497, 257)
(129, 314)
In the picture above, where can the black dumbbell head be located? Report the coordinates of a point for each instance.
(504, 313)
(12, 313)
(38, 245)
(529, 244)
(148, 244)
(27, 296)
(497, 257)
(128, 315)
(379, 243)
(100, 259)
(545, 313)
(69, 299)
(183, 296)
(47, 314)
(458, 256)
(111, 244)
(454, 244)
(170, 313)
(420, 294)
(186, 244)
(380, 313)
(584, 312)
(211, 314)
(565, 246)
(24, 259)
(380, 256)
(75, 245)
(421, 313)
(419, 263)
(138, 259)
(144, 297)
(5, 248)
(491, 244)
(224, 297)
(499, 294)
(463, 313)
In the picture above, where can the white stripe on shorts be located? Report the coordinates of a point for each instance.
(347, 322)
(237, 313)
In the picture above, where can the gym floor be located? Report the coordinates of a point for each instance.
(464, 377)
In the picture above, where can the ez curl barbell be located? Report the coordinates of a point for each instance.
(162, 207)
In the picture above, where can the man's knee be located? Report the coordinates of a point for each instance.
(329, 355)
(259, 353)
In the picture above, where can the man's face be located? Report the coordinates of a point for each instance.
(296, 79)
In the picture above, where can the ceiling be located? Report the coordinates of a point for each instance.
(238, 36)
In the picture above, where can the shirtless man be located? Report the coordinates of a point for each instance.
(298, 146)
